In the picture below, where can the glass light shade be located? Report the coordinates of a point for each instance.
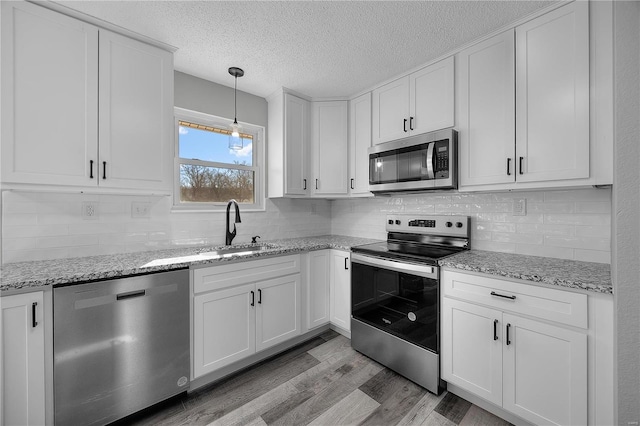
(235, 140)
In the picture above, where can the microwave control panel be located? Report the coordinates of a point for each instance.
(441, 159)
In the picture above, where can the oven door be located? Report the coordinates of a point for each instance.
(398, 297)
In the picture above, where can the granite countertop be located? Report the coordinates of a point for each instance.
(29, 276)
(595, 277)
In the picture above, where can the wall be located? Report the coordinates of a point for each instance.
(204, 96)
(569, 224)
(50, 226)
(626, 206)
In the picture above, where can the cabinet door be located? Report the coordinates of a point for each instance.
(278, 316)
(329, 142)
(471, 352)
(340, 289)
(296, 137)
(552, 86)
(49, 96)
(318, 289)
(359, 143)
(22, 359)
(224, 328)
(486, 111)
(545, 372)
(391, 111)
(431, 98)
(136, 114)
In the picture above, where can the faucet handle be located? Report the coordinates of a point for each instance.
(253, 239)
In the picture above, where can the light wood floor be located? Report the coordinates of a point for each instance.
(320, 382)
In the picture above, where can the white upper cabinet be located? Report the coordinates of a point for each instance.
(552, 83)
(359, 143)
(287, 148)
(136, 114)
(431, 97)
(391, 111)
(49, 96)
(486, 111)
(329, 148)
(417, 103)
(78, 99)
(523, 105)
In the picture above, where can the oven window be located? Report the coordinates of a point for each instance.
(402, 304)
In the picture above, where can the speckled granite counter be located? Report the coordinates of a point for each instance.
(589, 276)
(27, 276)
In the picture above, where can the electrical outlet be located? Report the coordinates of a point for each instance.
(90, 210)
(140, 209)
(520, 207)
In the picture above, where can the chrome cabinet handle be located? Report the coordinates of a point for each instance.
(508, 166)
(493, 293)
(260, 296)
(345, 263)
(508, 340)
(90, 169)
(404, 127)
(411, 123)
(520, 166)
(495, 329)
(304, 184)
(253, 298)
(104, 170)
(352, 184)
(316, 183)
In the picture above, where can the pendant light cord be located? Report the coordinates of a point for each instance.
(235, 101)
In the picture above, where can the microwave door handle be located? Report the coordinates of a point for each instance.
(430, 173)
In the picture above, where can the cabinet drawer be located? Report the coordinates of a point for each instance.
(227, 275)
(554, 305)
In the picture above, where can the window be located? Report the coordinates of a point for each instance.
(208, 172)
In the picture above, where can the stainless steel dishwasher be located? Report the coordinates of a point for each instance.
(120, 346)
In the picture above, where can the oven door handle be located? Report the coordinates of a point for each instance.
(397, 266)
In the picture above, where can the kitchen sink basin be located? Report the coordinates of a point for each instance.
(234, 251)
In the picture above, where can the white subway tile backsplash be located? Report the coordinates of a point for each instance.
(572, 224)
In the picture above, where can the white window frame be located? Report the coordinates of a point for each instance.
(258, 161)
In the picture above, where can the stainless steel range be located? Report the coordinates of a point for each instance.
(395, 294)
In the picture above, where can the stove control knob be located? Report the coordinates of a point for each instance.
(390, 222)
(398, 222)
(458, 224)
(448, 224)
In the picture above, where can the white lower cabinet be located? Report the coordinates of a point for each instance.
(22, 378)
(318, 288)
(518, 346)
(340, 303)
(243, 308)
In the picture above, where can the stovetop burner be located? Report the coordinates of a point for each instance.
(421, 238)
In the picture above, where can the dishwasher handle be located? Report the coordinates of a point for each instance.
(130, 294)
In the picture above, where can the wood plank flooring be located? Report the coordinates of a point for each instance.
(322, 382)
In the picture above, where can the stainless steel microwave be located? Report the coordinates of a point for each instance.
(424, 162)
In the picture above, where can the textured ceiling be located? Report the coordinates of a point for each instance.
(318, 48)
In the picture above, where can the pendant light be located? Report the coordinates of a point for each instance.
(235, 140)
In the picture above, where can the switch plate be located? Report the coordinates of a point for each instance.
(90, 210)
(520, 207)
(140, 209)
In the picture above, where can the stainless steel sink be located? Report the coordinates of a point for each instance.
(234, 251)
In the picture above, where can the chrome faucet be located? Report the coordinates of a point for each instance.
(231, 235)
